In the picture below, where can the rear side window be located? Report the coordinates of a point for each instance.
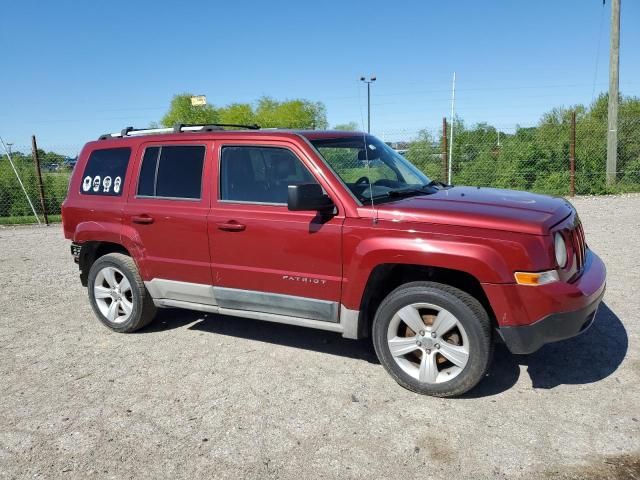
(172, 172)
(105, 172)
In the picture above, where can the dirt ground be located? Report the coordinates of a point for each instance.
(205, 396)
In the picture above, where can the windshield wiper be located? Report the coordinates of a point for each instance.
(405, 192)
(427, 189)
(402, 192)
(436, 183)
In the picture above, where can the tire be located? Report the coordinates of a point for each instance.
(118, 295)
(452, 350)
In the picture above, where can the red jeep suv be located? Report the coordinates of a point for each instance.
(328, 230)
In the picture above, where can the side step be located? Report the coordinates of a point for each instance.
(347, 326)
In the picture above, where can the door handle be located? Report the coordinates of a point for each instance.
(144, 219)
(231, 226)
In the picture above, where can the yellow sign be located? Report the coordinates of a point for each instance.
(199, 100)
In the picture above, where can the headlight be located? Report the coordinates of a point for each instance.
(561, 250)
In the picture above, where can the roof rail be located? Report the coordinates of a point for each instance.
(212, 126)
(178, 128)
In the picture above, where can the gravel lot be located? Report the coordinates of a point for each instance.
(205, 396)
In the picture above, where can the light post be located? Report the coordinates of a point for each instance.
(368, 82)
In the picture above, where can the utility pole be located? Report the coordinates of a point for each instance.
(368, 108)
(453, 112)
(368, 82)
(445, 167)
(614, 65)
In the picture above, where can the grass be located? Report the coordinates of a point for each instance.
(28, 219)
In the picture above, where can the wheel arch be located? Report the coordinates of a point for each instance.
(385, 278)
(93, 250)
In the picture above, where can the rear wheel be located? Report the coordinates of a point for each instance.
(433, 339)
(118, 295)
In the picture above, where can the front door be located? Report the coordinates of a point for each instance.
(167, 207)
(266, 258)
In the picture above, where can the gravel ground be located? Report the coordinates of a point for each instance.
(207, 396)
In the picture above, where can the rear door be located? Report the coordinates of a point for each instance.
(167, 210)
(266, 258)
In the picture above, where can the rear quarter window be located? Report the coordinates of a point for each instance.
(105, 172)
(172, 171)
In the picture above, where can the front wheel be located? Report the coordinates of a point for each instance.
(118, 295)
(433, 339)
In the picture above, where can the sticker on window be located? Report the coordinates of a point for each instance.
(105, 172)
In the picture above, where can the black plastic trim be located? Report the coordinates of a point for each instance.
(552, 328)
(75, 251)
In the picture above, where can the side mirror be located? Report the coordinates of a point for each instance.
(308, 196)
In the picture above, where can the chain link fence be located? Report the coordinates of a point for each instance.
(15, 207)
(533, 158)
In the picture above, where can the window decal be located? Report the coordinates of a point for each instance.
(105, 171)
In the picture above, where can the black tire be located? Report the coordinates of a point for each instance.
(143, 310)
(468, 311)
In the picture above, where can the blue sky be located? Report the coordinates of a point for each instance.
(73, 70)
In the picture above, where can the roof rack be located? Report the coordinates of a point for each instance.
(178, 128)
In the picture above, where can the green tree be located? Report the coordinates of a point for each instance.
(297, 113)
(237, 113)
(181, 111)
(424, 153)
(268, 113)
(350, 126)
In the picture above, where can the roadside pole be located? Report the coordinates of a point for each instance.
(36, 161)
(614, 65)
(445, 167)
(453, 112)
(572, 156)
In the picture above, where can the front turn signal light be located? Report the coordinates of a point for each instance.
(535, 279)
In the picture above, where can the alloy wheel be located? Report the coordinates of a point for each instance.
(113, 294)
(428, 343)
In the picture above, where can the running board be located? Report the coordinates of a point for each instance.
(348, 325)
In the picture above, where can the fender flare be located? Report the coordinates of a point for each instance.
(465, 255)
(113, 232)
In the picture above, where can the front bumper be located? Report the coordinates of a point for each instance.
(552, 328)
(529, 317)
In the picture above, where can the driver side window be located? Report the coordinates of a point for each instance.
(260, 174)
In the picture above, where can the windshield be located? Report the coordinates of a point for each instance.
(376, 173)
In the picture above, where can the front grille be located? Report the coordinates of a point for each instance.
(579, 245)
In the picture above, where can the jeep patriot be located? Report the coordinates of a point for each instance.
(330, 230)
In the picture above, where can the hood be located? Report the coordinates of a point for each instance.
(507, 210)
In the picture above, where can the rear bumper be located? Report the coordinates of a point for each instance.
(75, 251)
(552, 328)
(528, 317)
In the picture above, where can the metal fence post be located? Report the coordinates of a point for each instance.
(445, 161)
(36, 161)
(572, 155)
